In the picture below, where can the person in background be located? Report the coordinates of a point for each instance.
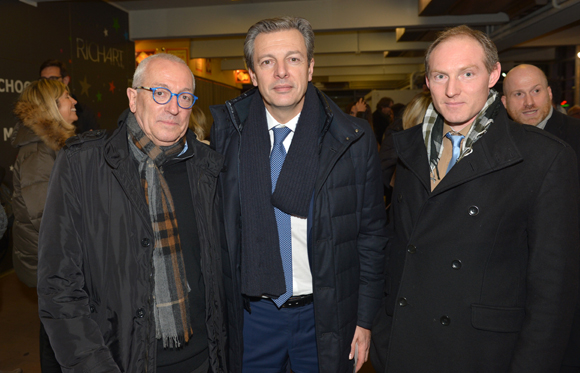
(129, 267)
(484, 257)
(382, 117)
(304, 216)
(360, 109)
(46, 113)
(56, 70)
(198, 124)
(528, 100)
(574, 112)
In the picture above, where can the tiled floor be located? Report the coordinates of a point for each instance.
(19, 325)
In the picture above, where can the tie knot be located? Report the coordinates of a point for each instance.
(455, 139)
(280, 134)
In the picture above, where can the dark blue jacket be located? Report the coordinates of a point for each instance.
(347, 234)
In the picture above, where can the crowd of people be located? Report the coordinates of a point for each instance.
(268, 248)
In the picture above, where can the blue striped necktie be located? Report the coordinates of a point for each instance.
(282, 219)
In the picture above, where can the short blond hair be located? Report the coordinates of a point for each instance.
(489, 49)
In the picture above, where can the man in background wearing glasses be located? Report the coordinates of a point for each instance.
(56, 70)
(129, 270)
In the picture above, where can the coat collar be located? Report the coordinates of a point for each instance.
(338, 133)
(555, 124)
(124, 168)
(494, 151)
(40, 128)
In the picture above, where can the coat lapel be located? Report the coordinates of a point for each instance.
(413, 154)
(125, 171)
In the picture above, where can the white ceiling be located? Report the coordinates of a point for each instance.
(351, 36)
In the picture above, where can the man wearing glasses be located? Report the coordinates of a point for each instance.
(56, 70)
(129, 270)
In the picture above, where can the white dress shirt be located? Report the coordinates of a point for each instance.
(301, 275)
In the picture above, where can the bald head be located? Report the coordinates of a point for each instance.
(527, 97)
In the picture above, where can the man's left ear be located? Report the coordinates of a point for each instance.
(66, 80)
(494, 76)
(550, 92)
(310, 69)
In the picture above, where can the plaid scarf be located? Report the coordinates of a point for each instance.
(170, 297)
(433, 131)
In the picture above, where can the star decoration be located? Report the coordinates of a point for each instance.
(106, 32)
(116, 24)
(112, 86)
(99, 97)
(85, 87)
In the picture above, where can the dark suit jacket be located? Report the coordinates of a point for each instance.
(483, 271)
(568, 129)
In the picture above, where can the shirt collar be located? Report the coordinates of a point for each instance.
(184, 149)
(273, 122)
(542, 124)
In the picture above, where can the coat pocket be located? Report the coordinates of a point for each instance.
(497, 319)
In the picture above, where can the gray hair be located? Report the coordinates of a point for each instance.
(489, 49)
(278, 24)
(139, 75)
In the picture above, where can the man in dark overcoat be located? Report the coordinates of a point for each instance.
(304, 250)
(527, 98)
(129, 271)
(482, 273)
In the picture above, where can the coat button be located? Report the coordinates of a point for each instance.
(400, 197)
(140, 313)
(92, 308)
(145, 242)
(402, 302)
(473, 210)
(445, 320)
(456, 264)
(411, 249)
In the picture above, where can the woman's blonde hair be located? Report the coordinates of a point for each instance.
(415, 110)
(198, 123)
(43, 94)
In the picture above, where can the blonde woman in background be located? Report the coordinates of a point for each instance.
(415, 110)
(198, 124)
(46, 113)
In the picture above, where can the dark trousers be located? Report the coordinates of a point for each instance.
(276, 340)
(48, 363)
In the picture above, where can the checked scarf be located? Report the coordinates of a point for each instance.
(172, 322)
(433, 131)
